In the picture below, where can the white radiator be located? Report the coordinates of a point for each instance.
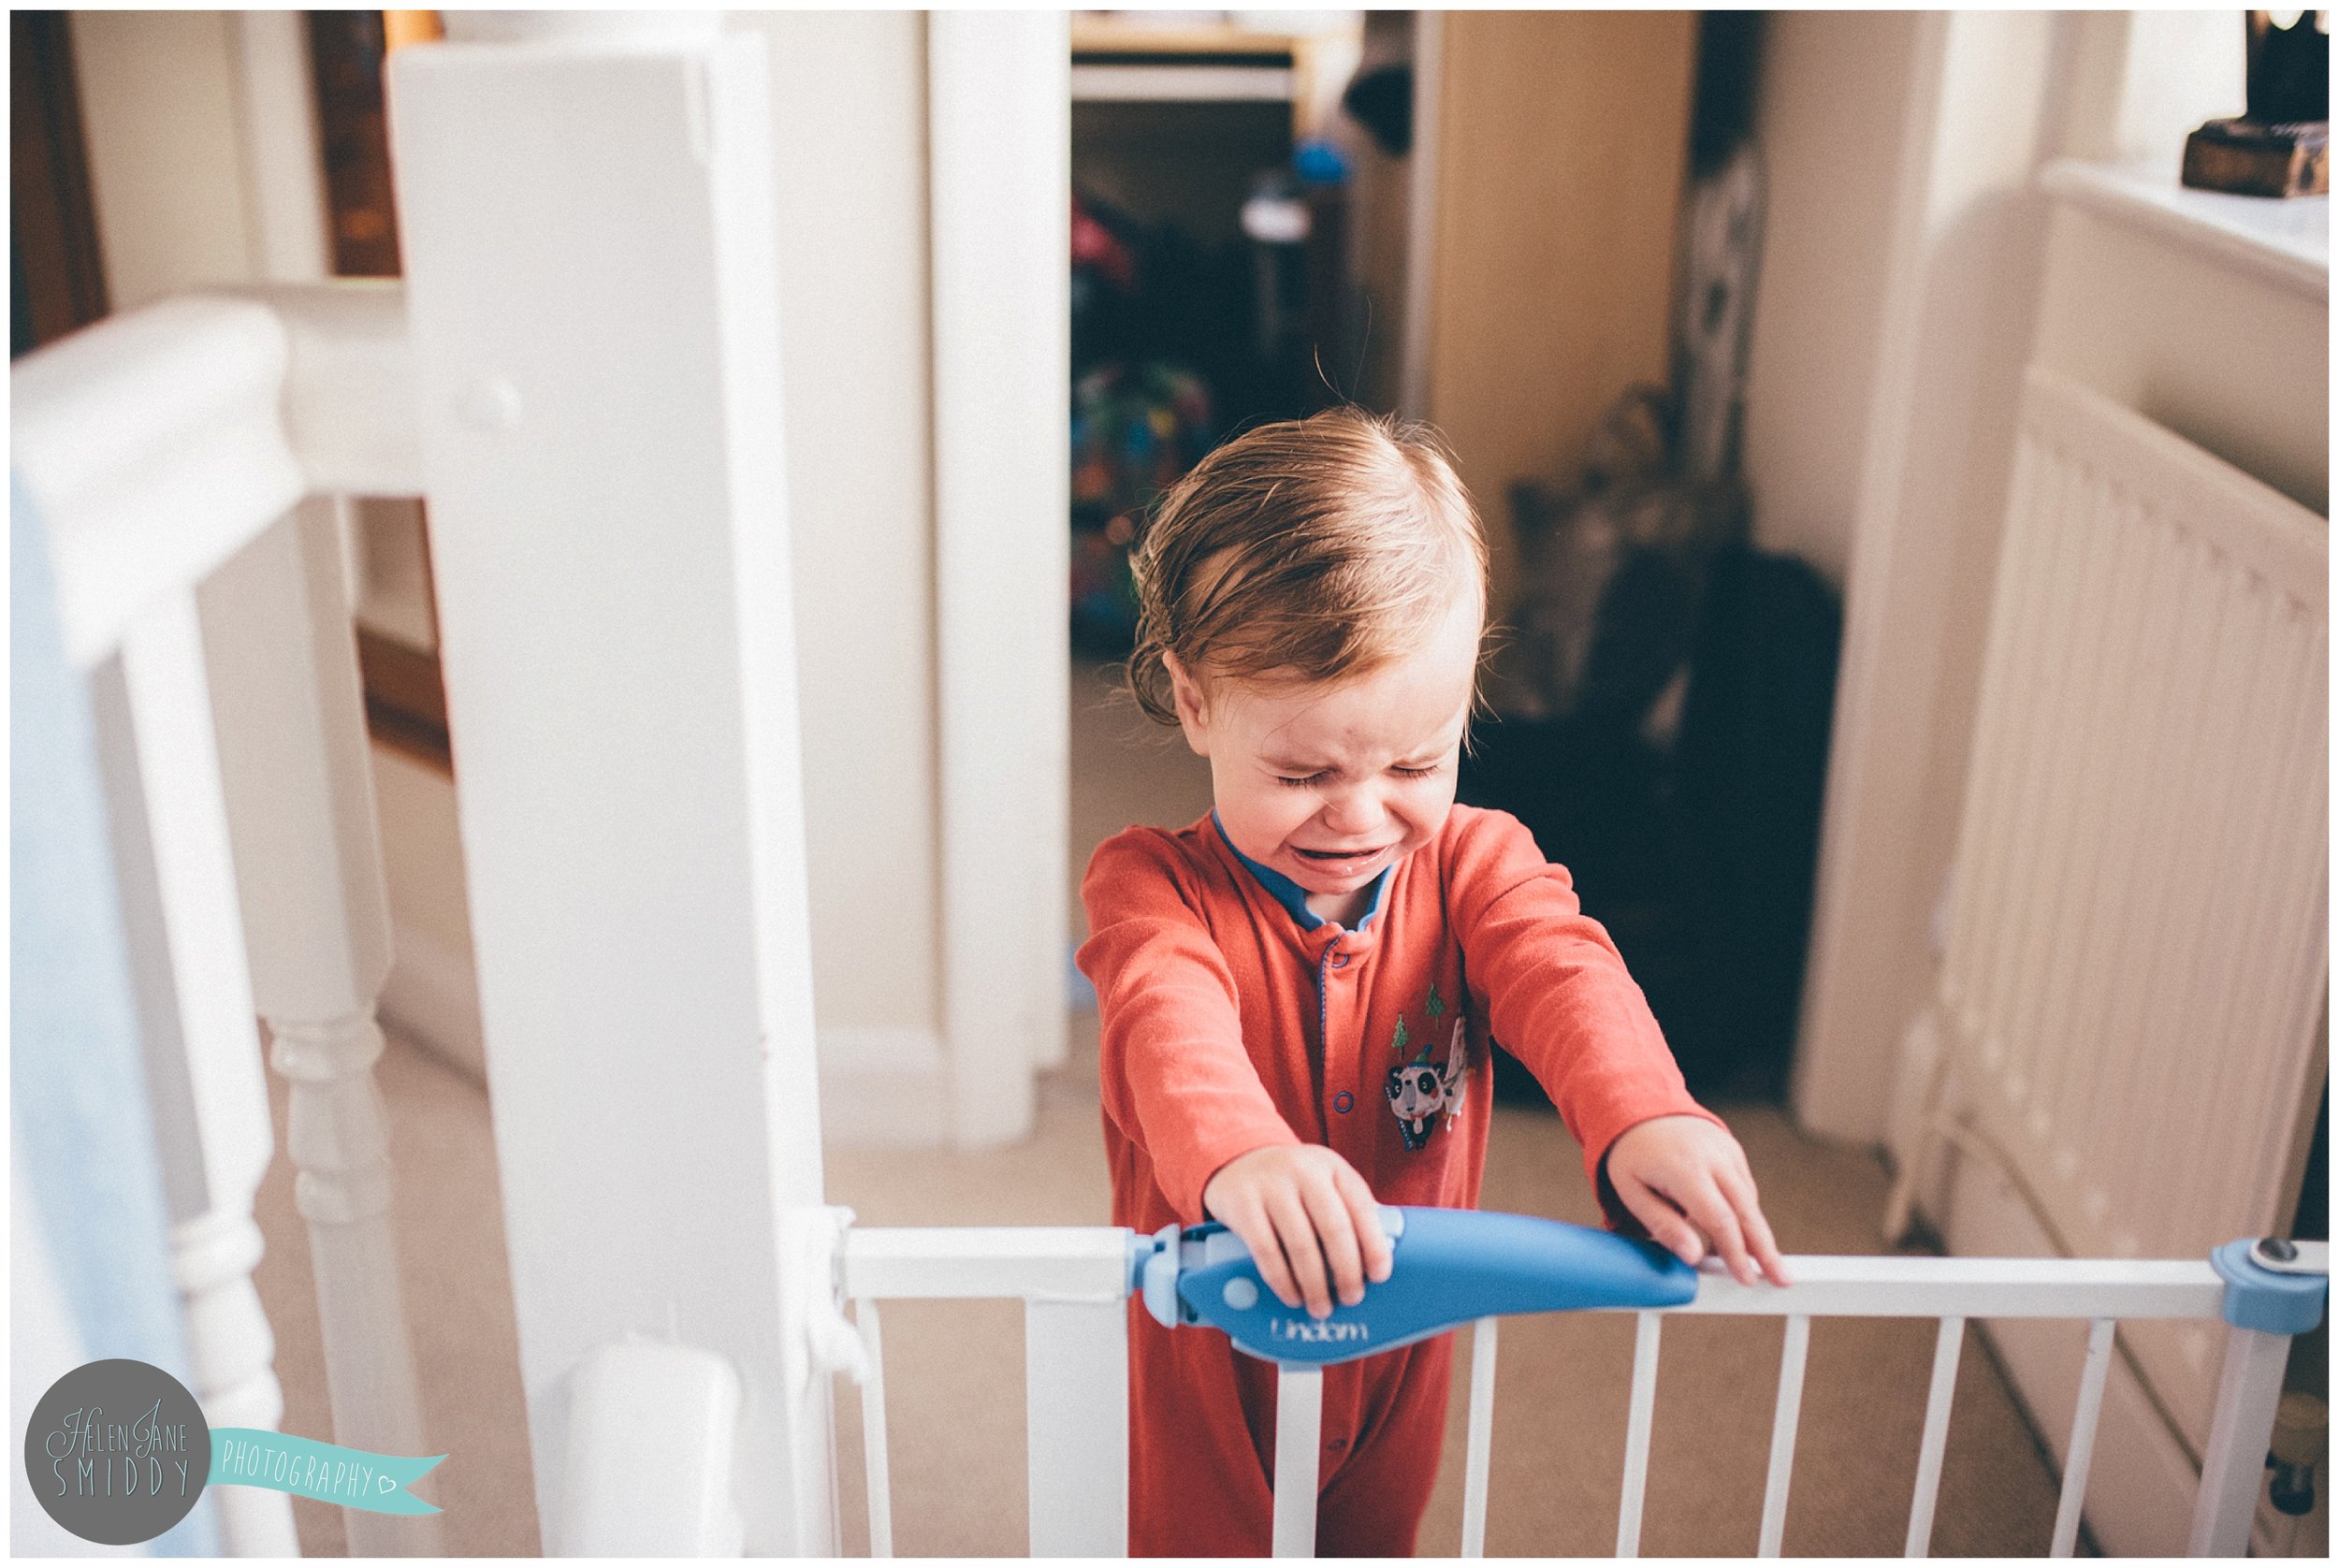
(2133, 999)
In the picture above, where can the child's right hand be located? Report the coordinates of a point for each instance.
(1300, 1206)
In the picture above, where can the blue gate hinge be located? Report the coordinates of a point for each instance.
(2273, 1286)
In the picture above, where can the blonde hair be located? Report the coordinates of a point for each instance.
(1320, 548)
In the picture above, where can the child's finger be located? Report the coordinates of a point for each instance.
(1336, 1230)
(1739, 1188)
(1365, 1211)
(1247, 1218)
(1665, 1224)
(1297, 1232)
(1703, 1201)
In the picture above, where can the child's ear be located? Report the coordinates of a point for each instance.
(1186, 694)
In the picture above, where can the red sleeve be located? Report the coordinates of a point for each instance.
(1560, 999)
(1174, 1076)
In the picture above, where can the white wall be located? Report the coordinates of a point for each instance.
(1929, 441)
(849, 99)
(161, 112)
(1831, 121)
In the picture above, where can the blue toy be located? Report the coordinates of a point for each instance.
(1449, 1267)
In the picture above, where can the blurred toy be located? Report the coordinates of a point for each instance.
(1135, 430)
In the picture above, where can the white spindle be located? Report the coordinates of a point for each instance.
(2233, 1470)
(1644, 1408)
(1782, 1426)
(300, 791)
(2082, 1448)
(152, 711)
(1474, 1542)
(1937, 1402)
(1076, 1388)
(1298, 1433)
(873, 1451)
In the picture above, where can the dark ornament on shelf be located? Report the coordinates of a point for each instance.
(2281, 147)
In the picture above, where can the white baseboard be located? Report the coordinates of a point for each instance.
(2142, 1483)
(879, 1088)
(432, 1000)
(883, 1089)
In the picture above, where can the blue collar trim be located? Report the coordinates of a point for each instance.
(1290, 895)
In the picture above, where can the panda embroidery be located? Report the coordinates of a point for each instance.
(1419, 1093)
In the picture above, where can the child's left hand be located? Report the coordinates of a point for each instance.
(1686, 1181)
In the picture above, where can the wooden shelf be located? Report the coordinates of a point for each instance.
(1093, 34)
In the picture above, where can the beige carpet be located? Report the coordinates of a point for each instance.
(955, 1368)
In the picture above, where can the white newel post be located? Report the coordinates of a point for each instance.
(293, 757)
(587, 214)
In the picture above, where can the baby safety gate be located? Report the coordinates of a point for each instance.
(1456, 1267)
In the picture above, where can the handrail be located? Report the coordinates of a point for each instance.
(160, 443)
(152, 445)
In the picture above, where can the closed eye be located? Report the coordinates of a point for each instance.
(1304, 783)
(1414, 773)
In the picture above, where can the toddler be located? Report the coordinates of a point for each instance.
(1299, 993)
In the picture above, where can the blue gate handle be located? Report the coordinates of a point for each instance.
(1449, 1267)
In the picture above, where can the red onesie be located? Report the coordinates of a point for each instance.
(1234, 1017)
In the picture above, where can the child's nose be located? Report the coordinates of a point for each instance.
(1353, 811)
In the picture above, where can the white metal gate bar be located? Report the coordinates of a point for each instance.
(1081, 1263)
(873, 1438)
(1792, 1357)
(1937, 1402)
(2232, 1469)
(1482, 1340)
(1852, 1286)
(1299, 1427)
(1076, 1411)
(1637, 1425)
(2082, 1444)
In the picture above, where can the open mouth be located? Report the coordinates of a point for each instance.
(1342, 854)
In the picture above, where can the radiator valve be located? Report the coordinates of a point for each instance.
(2302, 1432)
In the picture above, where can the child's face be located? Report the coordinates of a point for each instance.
(1330, 783)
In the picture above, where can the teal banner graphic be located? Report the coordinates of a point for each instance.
(241, 1457)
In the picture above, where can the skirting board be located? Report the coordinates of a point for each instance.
(432, 1000)
(879, 1088)
(882, 1089)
